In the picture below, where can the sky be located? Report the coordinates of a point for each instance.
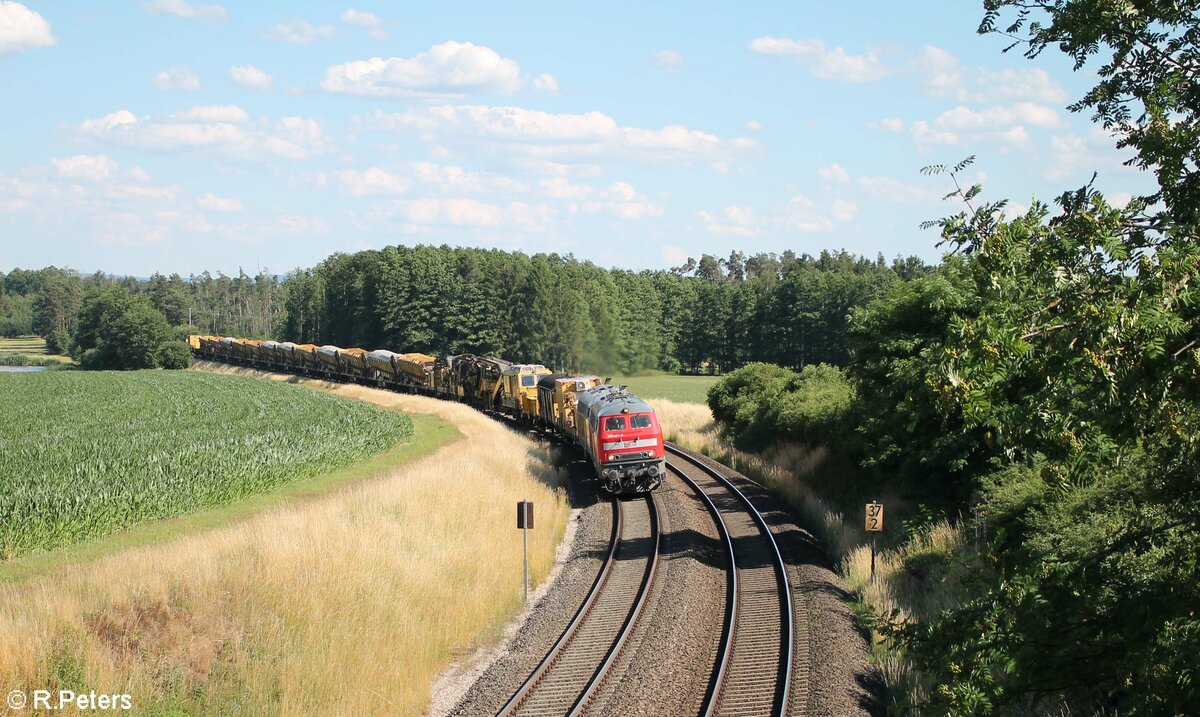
(174, 136)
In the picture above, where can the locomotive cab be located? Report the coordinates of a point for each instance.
(621, 434)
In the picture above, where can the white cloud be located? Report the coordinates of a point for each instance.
(827, 64)
(557, 137)
(924, 134)
(730, 221)
(374, 181)
(943, 75)
(1032, 84)
(214, 113)
(669, 61)
(546, 84)
(999, 123)
(622, 200)
(213, 203)
(941, 72)
(834, 172)
(225, 129)
(563, 188)
(177, 78)
(297, 224)
(894, 191)
(754, 125)
(116, 207)
(457, 211)
(22, 29)
(1073, 157)
(369, 20)
(842, 210)
(889, 124)
(251, 76)
(451, 68)
(999, 117)
(429, 176)
(801, 215)
(298, 31)
(179, 8)
(90, 167)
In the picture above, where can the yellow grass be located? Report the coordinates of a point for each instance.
(341, 604)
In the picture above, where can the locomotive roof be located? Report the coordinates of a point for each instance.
(606, 400)
(548, 380)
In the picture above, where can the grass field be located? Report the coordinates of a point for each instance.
(29, 351)
(346, 602)
(87, 454)
(29, 345)
(687, 389)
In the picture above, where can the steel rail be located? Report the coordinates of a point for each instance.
(787, 619)
(585, 613)
(709, 706)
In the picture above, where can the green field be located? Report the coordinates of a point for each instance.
(29, 345)
(84, 455)
(29, 351)
(688, 389)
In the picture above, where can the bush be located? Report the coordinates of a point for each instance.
(174, 355)
(813, 405)
(761, 404)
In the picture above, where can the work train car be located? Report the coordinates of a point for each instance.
(618, 431)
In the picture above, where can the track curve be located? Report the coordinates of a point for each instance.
(577, 664)
(752, 674)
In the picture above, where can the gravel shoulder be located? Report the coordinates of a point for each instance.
(483, 684)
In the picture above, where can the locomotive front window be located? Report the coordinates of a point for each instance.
(640, 421)
(528, 380)
(615, 423)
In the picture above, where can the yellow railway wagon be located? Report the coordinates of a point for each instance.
(418, 367)
(354, 362)
(519, 389)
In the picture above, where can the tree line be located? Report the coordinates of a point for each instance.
(707, 316)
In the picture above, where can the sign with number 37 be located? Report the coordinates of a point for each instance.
(874, 517)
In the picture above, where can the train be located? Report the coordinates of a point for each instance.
(617, 431)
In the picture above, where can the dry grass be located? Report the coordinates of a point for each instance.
(912, 581)
(346, 603)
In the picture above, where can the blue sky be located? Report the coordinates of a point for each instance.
(163, 135)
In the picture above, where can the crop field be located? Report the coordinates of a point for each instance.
(30, 345)
(83, 455)
(687, 389)
(347, 602)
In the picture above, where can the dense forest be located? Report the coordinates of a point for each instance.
(710, 315)
(707, 316)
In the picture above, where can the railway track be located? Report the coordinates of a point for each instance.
(753, 668)
(576, 665)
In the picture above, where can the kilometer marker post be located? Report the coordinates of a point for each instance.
(874, 525)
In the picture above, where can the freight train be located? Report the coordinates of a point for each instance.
(618, 431)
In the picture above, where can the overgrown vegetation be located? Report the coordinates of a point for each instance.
(1041, 392)
(88, 454)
